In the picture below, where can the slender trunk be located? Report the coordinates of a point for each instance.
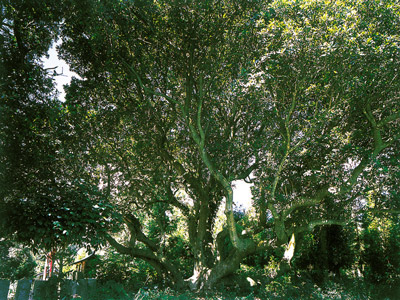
(263, 209)
(61, 264)
(324, 267)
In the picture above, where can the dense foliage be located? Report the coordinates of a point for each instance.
(41, 202)
(16, 262)
(175, 102)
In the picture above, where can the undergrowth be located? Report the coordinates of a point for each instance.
(283, 288)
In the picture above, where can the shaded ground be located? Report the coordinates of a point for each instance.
(282, 289)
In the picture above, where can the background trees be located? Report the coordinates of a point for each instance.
(27, 106)
(42, 204)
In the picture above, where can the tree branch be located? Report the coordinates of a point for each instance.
(119, 247)
(246, 173)
(347, 186)
(199, 137)
(319, 196)
(282, 163)
(133, 252)
(185, 210)
(384, 211)
(379, 145)
(161, 265)
(146, 89)
(394, 139)
(389, 119)
(135, 228)
(312, 224)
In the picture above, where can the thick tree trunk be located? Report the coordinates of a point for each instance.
(207, 278)
(229, 259)
(200, 238)
(227, 266)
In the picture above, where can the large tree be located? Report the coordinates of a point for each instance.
(207, 93)
(166, 69)
(179, 99)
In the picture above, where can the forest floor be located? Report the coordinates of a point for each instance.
(338, 289)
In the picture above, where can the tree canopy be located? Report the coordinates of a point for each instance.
(179, 99)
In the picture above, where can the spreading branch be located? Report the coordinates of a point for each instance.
(306, 202)
(161, 265)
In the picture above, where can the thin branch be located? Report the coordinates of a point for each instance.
(389, 119)
(379, 145)
(347, 186)
(286, 154)
(384, 211)
(312, 224)
(394, 139)
(122, 156)
(368, 114)
(187, 176)
(292, 105)
(200, 106)
(52, 68)
(175, 202)
(246, 173)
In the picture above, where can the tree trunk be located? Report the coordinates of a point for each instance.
(324, 267)
(284, 265)
(229, 258)
(224, 268)
(207, 278)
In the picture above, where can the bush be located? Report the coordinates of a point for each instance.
(326, 249)
(381, 256)
(125, 271)
(112, 290)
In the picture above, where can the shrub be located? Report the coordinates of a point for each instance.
(16, 262)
